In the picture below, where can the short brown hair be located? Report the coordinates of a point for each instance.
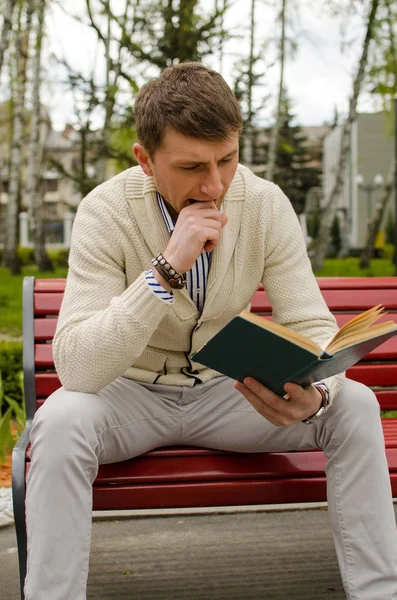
(190, 99)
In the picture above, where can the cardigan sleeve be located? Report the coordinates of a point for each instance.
(290, 284)
(104, 326)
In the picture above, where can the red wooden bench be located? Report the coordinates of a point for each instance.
(186, 476)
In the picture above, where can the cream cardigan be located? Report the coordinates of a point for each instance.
(112, 324)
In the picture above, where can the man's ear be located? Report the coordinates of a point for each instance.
(143, 158)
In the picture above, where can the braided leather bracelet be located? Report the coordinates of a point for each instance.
(163, 267)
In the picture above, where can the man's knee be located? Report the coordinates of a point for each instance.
(354, 414)
(357, 399)
(65, 421)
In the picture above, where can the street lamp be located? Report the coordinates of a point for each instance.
(369, 188)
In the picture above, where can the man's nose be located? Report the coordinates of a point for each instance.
(212, 185)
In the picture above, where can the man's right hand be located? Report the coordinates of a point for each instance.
(198, 227)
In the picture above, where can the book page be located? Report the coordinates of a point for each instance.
(360, 322)
(360, 328)
(289, 334)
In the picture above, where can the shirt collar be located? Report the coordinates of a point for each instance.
(166, 215)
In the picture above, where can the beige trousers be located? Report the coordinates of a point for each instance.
(74, 432)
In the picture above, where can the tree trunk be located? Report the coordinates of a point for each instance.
(102, 160)
(374, 226)
(329, 211)
(248, 146)
(111, 84)
(271, 161)
(33, 197)
(10, 258)
(5, 32)
(221, 33)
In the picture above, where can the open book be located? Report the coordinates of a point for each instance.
(251, 346)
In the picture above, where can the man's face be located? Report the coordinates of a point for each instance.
(188, 169)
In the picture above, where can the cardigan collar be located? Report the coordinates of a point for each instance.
(141, 193)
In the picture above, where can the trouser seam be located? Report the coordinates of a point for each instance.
(133, 422)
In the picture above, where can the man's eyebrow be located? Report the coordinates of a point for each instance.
(184, 161)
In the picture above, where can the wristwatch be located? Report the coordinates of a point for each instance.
(325, 403)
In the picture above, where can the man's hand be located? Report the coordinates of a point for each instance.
(301, 404)
(198, 227)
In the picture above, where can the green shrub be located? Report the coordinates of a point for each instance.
(12, 419)
(10, 367)
(59, 258)
(26, 256)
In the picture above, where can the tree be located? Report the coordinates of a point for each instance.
(34, 199)
(154, 34)
(329, 210)
(374, 226)
(6, 29)
(382, 72)
(248, 74)
(276, 128)
(382, 81)
(221, 9)
(22, 36)
(297, 168)
(168, 31)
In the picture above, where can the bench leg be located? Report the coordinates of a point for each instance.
(18, 494)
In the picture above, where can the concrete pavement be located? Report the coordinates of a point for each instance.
(234, 556)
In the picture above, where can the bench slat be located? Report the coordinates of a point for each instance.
(225, 493)
(330, 283)
(382, 375)
(44, 329)
(226, 467)
(357, 283)
(44, 360)
(339, 300)
(49, 285)
(215, 467)
(47, 303)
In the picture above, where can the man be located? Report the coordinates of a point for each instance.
(162, 257)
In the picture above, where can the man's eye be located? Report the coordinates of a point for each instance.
(190, 168)
(226, 160)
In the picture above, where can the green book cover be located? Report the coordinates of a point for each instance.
(244, 349)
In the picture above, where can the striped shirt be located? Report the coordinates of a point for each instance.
(196, 278)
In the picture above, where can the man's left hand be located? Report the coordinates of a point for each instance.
(301, 404)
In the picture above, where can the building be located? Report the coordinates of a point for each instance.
(60, 194)
(368, 163)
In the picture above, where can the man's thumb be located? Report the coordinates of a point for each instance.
(224, 220)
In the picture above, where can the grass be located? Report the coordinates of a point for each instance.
(11, 298)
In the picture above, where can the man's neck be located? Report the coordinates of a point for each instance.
(173, 214)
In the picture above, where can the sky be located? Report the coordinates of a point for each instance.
(318, 77)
